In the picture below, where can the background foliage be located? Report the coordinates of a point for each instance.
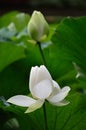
(65, 56)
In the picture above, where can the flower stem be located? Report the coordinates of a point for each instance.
(43, 58)
(45, 118)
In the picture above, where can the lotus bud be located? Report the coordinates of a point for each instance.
(38, 28)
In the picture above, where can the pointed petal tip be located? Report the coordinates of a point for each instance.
(66, 88)
(21, 100)
(62, 103)
(27, 111)
(35, 106)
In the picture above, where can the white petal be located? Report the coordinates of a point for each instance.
(38, 74)
(42, 90)
(56, 85)
(33, 76)
(21, 100)
(62, 103)
(56, 88)
(43, 74)
(35, 106)
(59, 96)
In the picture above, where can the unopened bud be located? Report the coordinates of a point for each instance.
(38, 28)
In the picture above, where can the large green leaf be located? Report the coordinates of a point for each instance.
(70, 40)
(71, 117)
(67, 50)
(10, 53)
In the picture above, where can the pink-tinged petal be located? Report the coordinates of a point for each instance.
(38, 104)
(21, 100)
(59, 96)
(42, 90)
(62, 103)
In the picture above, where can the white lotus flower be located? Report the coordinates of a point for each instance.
(42, 88)
(38, 28)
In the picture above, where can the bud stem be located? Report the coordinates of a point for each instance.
(43, 58)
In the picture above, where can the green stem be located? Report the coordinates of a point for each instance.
(45, 117)
(43, 58)
(44, 107)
